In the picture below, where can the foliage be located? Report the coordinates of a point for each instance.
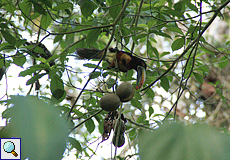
(187, 68)
(39, 126)
(178, 141)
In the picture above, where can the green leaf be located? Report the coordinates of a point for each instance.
(150, 93)
(57, 87)
(58, 38)
(138, 29)
(6, 46)
(8, 37)
(95, 75)
(136, 103)
(108, 73)
(43, 60)
(101, 127)
(35, 78)
(160, 33)
(52, 58)
(151, 111)
(111, 82)
(90, 65)
(47, 3)
(19, 59)
(202, 68)
(20, 42)
(151, 23)
(175, 29)
(93, 101)
(165, 83)
(38, 8)
(38, 124)
(133, 134)
(164, 54)
(59, 94)
(175, 13)
(179, 142)
(92, 37)
(4, 25)
(125, 32)
(137, 95)
(151, 50)
(115, 9)
(98, 94)
(141, 119)
(90, 125)
(37, 49)
(26, 6)
(207, 50)
(198, 77)
(139, 36)
(192, 6)
(10, 7)
(87, 8)
(45, 21)
(128, 76)
(63, 6)
(69, 40)
(31, 70)
(161, 2)
(179, 6)
(75, 143)
(224, 62)
(177, 44)
(7, 113)
(188, 67)
(36, 16)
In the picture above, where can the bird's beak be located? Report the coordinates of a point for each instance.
(140, 77)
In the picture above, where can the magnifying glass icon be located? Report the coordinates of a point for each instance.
(9, 147)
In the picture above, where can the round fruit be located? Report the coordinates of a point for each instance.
(110, 102)
(125, 91)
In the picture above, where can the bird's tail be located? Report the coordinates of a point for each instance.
(86, 53)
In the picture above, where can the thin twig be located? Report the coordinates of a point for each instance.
(139, 125)
(214, 113)
(86, 120)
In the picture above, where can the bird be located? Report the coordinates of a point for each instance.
(122, 60)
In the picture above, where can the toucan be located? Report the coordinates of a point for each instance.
(122, 60)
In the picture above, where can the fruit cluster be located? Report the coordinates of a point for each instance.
(112, 122)
(112, 101)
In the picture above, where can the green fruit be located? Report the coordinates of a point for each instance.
(125, 91)
(120, 127)
(110, 102)
(121, 140)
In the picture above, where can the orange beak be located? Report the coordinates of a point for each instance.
(140, 77)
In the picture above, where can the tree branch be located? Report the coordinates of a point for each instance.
(105, 49)
(190, 45)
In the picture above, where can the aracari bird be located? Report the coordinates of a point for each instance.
(124, 61)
